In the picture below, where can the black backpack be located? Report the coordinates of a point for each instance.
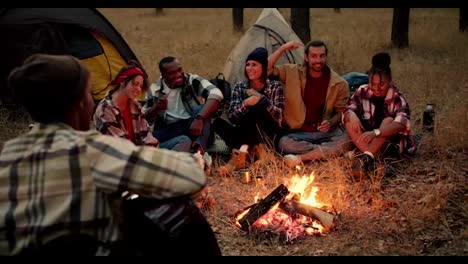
(225, 87)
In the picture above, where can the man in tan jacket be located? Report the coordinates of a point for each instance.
(315, 97)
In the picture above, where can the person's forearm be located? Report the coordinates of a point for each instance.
(393, 128)
(148, 171)
(335, 120)
(273, 58)
(210, 107)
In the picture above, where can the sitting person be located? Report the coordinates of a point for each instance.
(181, 104)
(120, 114)
(255, 110)
(315, 97)
(378, 115)
(59, 175)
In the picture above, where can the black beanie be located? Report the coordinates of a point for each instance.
(259, 54)
(49, 83)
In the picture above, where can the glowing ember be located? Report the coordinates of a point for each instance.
(295, 225)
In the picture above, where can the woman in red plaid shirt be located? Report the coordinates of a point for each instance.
(377, 116)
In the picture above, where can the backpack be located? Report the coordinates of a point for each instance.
(225, 87)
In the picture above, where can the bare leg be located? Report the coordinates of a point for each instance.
(375, 145)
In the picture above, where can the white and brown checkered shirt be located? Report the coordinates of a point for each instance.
(55, 179)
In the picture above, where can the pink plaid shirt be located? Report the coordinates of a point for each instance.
(395, 106)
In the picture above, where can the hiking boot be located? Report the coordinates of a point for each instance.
(261, 153)
(237, 162)
(362, 166)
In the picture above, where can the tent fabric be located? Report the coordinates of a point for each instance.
(82, 32)
(110, 60)
(269, 31)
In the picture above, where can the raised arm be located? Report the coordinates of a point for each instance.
(273, 58)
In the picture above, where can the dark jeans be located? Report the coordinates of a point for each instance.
(150, 227)
(251, 130)
(182, 127)
(68, 245)
(167, 227)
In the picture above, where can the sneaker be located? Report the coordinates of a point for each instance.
(292, 160)
(237, 162)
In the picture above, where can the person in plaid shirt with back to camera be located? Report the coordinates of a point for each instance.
(56, 178)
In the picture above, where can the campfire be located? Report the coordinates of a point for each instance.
(290, 211)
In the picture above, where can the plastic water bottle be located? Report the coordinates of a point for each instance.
(428, 118)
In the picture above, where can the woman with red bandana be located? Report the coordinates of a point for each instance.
(119, 113)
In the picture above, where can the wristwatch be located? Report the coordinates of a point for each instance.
(377, 132)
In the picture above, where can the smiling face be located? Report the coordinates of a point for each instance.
(316, 58)
(134, 87)
(379, 84)
(173, 74)
(253, 70)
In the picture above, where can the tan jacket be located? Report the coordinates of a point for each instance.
(293, 77)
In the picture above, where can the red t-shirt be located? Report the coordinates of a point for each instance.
(314, 99)
(127, 117)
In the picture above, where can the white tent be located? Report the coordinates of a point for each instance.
(269, 31)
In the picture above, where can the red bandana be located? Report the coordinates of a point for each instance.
(133, 71)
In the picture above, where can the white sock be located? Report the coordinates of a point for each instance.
(293, 157)
(369, 153)
(244, 148)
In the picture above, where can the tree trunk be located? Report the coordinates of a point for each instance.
(238, 19)
(400, 27)
(159, 11)
(300, 23)
(463, 26)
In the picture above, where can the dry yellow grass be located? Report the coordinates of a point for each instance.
(421, 211)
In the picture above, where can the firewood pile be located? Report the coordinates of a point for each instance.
(283, 213)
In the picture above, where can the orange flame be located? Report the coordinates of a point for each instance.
(257, 197)
(276, 220)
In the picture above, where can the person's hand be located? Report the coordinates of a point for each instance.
(253, 92)
(252, 100)
(366, 137)
(196, 127)
(324, 127)
(292, 45)
(161, 104)
(200, 159)
(152, 141)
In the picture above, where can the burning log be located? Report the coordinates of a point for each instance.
(263, 207)
(293, 207)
